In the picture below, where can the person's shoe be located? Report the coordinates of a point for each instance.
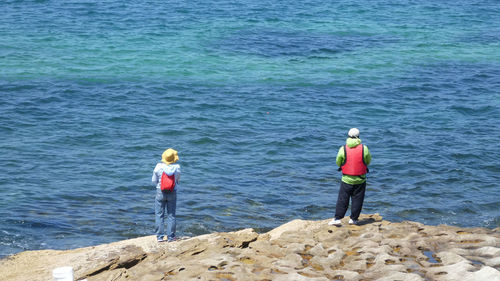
(355, 222)
(335, 221)
(173, 239)
(160, 239)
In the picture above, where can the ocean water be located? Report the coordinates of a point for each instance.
(257, 96)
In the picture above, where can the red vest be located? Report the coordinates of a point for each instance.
(354, 164)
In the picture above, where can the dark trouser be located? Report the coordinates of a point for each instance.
(357, 194)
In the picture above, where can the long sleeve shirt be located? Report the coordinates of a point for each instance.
(172, 169)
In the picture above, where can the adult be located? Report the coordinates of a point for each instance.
(353, 159)
(166, 193)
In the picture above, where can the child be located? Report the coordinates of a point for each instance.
(166, 197)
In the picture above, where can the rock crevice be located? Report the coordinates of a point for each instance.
(299, 250)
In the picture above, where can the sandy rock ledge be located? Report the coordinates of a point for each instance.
(298, 250)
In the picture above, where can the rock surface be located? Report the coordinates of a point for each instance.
(299, 250)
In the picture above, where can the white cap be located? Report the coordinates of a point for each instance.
(353, 133)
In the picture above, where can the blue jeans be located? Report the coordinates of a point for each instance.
(165, 199)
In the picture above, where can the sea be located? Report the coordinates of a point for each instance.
(257, 97)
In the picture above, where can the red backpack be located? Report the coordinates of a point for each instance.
(167, 182)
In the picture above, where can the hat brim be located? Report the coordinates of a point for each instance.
(176, 158)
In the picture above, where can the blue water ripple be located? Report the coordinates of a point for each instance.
(257, 97)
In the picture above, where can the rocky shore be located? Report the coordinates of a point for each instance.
(299, 250)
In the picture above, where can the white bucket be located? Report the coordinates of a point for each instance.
(64, 273)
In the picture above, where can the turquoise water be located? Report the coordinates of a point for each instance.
(256, 96)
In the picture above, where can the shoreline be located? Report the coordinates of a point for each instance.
(298, 250)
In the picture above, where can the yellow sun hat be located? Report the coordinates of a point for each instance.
(169, 156)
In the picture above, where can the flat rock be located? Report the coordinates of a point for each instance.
(299, 250)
